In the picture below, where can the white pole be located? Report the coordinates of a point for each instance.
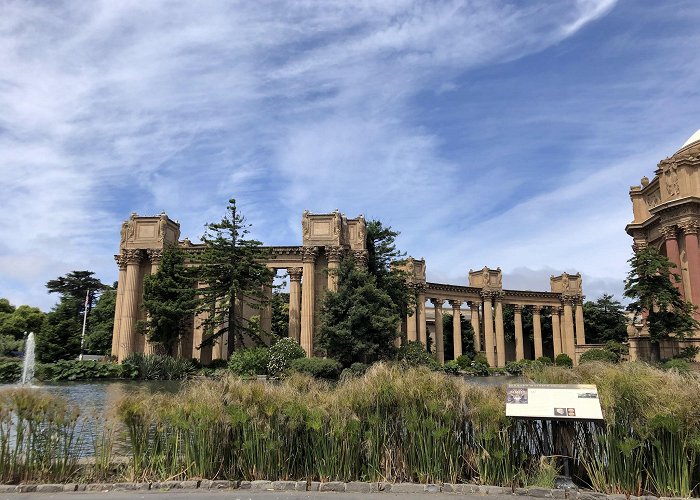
(82, 336)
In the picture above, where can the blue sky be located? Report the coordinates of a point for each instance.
(488, 132)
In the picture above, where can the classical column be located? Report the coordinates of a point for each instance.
(519, 346)
(500, 334)
(439, 341)
(334, 255)
(474, 310)
(130, 303)
(673, 253)
(568, 343)
(294, 303)
(556, 331)
(692, 252)
(411, 331)
(537, 331)
(488, 329)
(580, 332)
(456, 328)
(308, 300)
(422, 332)
(121, 283)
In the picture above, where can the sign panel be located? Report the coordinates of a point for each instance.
(555, 401)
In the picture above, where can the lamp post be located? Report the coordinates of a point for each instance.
(82, 335)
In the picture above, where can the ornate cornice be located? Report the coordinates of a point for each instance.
(294, 273)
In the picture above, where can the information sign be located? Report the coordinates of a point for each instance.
(554, 401)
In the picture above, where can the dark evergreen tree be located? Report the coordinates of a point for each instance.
(98, 338)
(280, 314)
(467, 336)
(604, 320)
(231, 267)
(651, 286)
(170, 299)
(59, 337)
(76, 285)
(359, 321)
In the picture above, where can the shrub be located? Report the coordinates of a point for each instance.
(282, 353)
(599, 355)
(464, 361)
(157, 367)
(217, 364)
(480, 359)
(9, 346)
(77, 370)
(617, 348)
(688, 353)
(248, 362)
(563, 359)
(679, 365)
(413, 353)
(324, 368)
(358, 368)
(10, 371)
(452, 367)
(545, 360)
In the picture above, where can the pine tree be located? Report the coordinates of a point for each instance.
(359, 321)
(231, 267)
(98, 338)
(59, 337)
(650, 285)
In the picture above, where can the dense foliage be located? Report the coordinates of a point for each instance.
(282, 353)
(250, 361)
(604, 320)
(231, 267)
(322, 368)
(156, 367)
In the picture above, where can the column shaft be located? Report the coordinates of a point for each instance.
(673, 254)
(439, 341)
(295, 303)
(537, 331)
(422, 330)
(411, 332)
(334, 255)
(130, 306)
(580, 332)
(569, 346)
(692, 252)
(456, 329)
(488, 331)
(121, 283)
(519, 341)
(474, 309)
(308, 301)
(500, 335)
(556, 332)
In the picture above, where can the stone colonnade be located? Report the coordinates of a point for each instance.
(684, 235)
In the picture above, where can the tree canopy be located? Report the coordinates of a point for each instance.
(230, 267)
(651, 286)
(604, 320)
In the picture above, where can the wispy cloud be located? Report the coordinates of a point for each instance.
(399, 110)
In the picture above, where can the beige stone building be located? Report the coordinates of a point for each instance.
(326, 238)
(666, 211)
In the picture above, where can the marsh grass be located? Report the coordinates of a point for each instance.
(39, 437)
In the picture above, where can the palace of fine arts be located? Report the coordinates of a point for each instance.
(406, 249)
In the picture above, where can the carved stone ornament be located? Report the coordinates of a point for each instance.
(456, 304)
(361, 256)
(437, 303)
(639, 245)
(335, 254)
(294, 273)
(337, 222)
(154, 255)
(689, 227)
(305, 224)
(361, 228)
(162, 223)
(671, 178)
(133, 256)
(121, 261)
(517, 308)
(309, 254)
(669, 232)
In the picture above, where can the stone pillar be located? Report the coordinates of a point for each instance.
(334, 255)
(294, 303)
(580, 332)
(569, 344)
(519, 345)
(488, 330)
(474, 309)
(121, 283)
(130, 303)
(155, 256)
(692, 252)
(456, 328)
(411, 331)
(422, 331)
(500, 334)
(439, 341)
(673, 253)
(556, 331)
(308, 300)
(537, 331)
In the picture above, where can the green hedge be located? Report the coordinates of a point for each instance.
(251, 361)
(77, 370)
(324, 368)
(599, 355)
(10, 371)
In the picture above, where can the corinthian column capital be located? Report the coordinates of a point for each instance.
(294, 273)
(132, 256)
(309, 254)
(335, 254)
(154, 255)
(689, 227)
(669, 232)
(121, 261)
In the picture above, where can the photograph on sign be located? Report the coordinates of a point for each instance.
(555, 401)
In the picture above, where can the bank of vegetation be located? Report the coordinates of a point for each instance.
(391, 423)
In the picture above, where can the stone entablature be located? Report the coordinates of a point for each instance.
(311, 267)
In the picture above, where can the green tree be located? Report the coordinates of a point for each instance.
(650, 286)
(280, 314)
(170, 299)
(14, 322)
(358, 322)
(604, 320)
(59, 337)
(467, 336)
(231, 267)
(98, 337)
(76, 285)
